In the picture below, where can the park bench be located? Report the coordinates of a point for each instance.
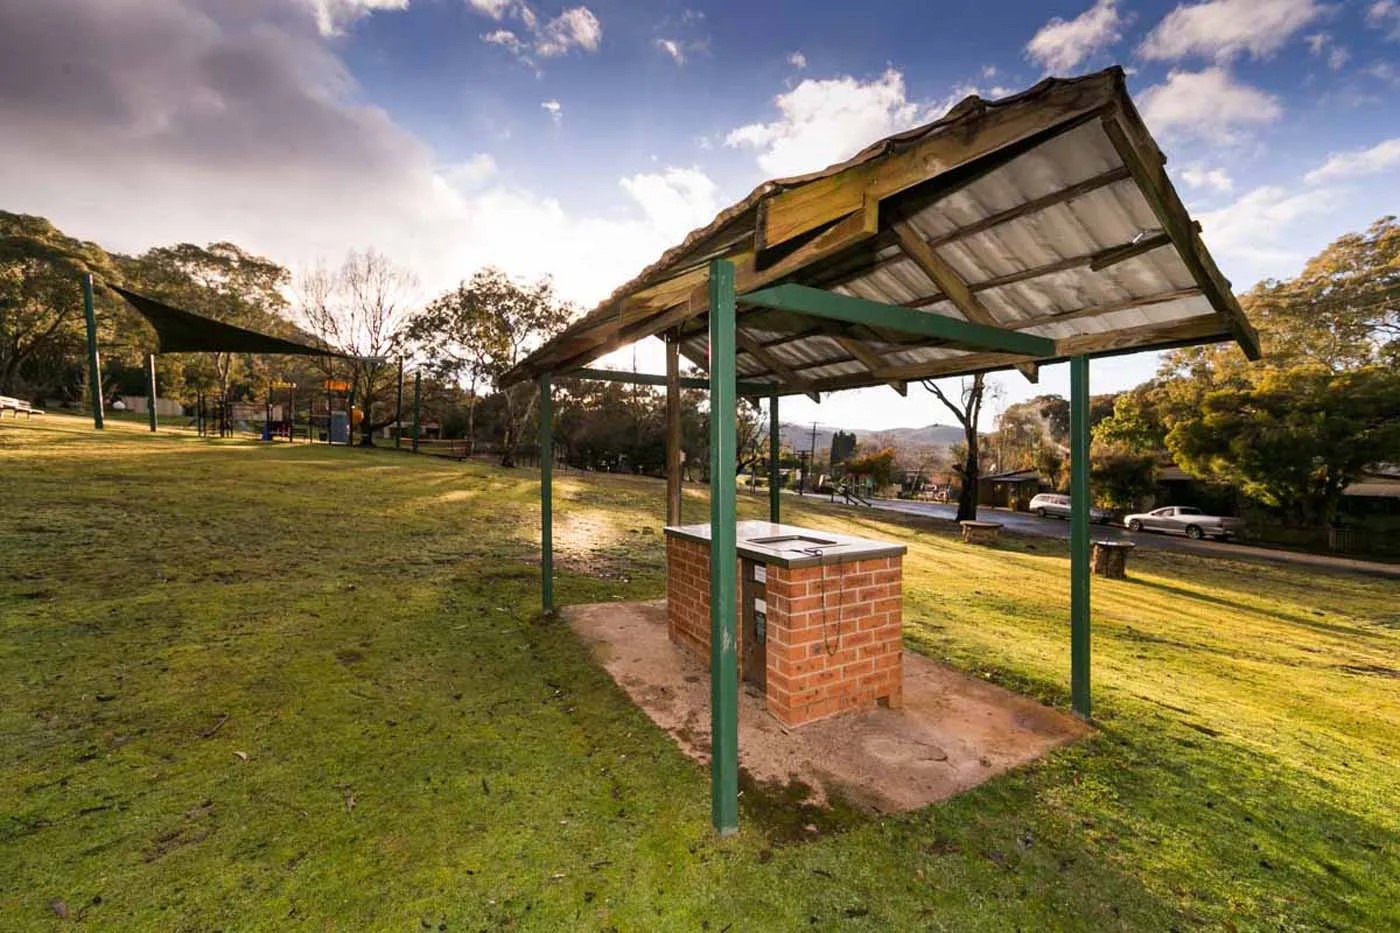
(18, 406)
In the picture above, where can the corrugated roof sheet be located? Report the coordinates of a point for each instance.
(1068, 231)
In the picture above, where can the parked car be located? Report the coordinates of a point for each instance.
(1185, 520)
(1049, 503)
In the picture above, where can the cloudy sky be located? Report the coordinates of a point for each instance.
(581, 141)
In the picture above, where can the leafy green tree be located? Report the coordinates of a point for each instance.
(879, 465)
(1294, 437)
(42, 327)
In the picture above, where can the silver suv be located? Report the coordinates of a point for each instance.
(1049, 503)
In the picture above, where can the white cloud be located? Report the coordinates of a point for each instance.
(1321, 43)
(1385, 14)
(574, 28)
(989, 71)
(1207, 105)
(1198, 176)
(1261, 228)
(1382, 157)
(672, 48)
(140, 142)
(506, 39)
(332, 16)
(675, 201)
(1061, 44)
(472, 174)
(556, 112)
(496, 9)
(825, 121)
(1223, 29)
(797, 60)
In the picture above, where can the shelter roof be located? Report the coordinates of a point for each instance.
(1048, 213)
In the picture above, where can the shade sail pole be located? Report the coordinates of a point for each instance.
(673, 432)
(398, 410)
(546, 493)
(417, 405)
(774, 449)
(151, 389)
(1079, 534)
(94, 366)
(724, 660)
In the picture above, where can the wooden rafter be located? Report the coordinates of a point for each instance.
(783, 371)
(952, 284)
(871, 361)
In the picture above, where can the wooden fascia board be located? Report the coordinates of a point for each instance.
(819, 303)
(808, 206)
(1134, 146)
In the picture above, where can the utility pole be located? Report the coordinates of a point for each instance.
(812, 457)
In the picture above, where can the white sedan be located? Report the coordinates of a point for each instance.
(1185, 520)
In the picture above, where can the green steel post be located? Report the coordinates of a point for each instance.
(1079, 534)
(774, 449)
(398, 410)
(724, 661)
(151, 389)
(350, 415)
(417, 405)
(546, 493)
(94, 365)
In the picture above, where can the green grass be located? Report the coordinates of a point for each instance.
(422, 748)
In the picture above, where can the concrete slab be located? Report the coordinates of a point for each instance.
(953, 733)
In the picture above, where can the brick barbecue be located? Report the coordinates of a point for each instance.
(820, 615)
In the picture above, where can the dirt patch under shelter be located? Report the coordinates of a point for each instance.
(953, 732)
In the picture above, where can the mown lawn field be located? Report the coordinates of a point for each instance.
(252, 687)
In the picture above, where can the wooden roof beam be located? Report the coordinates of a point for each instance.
(784, 372)
(871, 361)
(952, 284)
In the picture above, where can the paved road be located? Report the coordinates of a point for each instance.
(1025, 523)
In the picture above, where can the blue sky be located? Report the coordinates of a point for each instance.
(581, 139)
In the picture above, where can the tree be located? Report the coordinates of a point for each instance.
(461, 333)
(502, 320)
(878, 465)
(361, 309)
(1293, 437)
(967, 409)
(1122, 476)
(42, 327)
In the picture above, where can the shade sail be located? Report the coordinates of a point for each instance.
(1047, 214)
(186, 332)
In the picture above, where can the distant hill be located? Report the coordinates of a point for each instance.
(799, 437)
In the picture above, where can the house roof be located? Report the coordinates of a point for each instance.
(1014, 476)
(1048, 213)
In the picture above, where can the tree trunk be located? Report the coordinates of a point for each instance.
(971, 473)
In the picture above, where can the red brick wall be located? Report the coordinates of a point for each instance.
(839, 652)
(688, 597)
(825, 655)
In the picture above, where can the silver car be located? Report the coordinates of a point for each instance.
(1049, 503)
(1185, 520)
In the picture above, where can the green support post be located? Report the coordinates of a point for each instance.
(417, 405)
(774, 449)
(151, 389)
(724, 661)
(94, 365)
(546, 493)
(1079, 534)
(350, 415)
(398, 410)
